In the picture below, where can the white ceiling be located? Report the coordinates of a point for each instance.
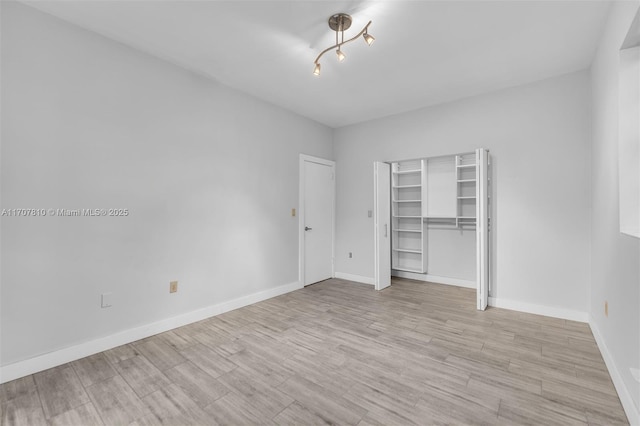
(426, 52)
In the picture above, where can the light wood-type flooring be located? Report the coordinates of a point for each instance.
(341, 353)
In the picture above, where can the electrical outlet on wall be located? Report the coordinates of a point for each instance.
(350, 255)
(173, 286)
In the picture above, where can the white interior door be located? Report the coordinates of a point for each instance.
(317, 219)
(382, 224)
(482, 228)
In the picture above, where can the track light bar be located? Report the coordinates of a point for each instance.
(339, 23)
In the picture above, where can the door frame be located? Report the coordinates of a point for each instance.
(301, 201)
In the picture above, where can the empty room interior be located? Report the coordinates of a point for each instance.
(319, 212)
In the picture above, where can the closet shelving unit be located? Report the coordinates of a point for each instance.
(434, 196)
(409, 245)
(430, 193)
(466, 189)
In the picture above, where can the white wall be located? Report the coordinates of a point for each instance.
(208, 174)
(629, 138)
(615, 256)
(452, 253)
(538, 136)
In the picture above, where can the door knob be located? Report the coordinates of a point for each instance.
(306, 228)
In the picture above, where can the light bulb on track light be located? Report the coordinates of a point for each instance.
(369, 38)
(316, 70)
(341, 55)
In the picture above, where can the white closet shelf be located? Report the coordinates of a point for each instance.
(466, 180)
(467, 198)
(407, 196)
(440, 217)
(465, 166)
(398, 268)
(407, 172)
(467, 217)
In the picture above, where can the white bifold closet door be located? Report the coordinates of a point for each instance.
(482, 227)
(382, 224)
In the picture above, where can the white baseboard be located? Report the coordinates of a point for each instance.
(357, 278)
(434, 279)
(630, 408)
(548, 311)
(52, 359)
(496, 302)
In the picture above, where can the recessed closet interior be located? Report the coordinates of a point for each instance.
(439, 220)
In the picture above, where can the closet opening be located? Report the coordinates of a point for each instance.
(432, 221)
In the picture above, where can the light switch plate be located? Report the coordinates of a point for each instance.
(105, 300)
(173, 286)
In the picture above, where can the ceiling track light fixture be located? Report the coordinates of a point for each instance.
(339, 23)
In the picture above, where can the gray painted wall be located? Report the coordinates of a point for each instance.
(209, 176)
(615, 257)
(539, 137)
